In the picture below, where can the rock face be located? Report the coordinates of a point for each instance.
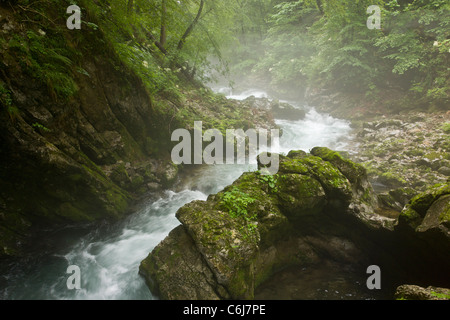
(69, 160)
(318, 204)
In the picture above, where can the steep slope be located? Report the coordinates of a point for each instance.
(81, 135)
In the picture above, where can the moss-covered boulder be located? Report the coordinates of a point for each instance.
(176, 270)
(417, 211)
(424, 223)
(412, 292)
(258, 225)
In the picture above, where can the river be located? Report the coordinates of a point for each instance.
(109, 255)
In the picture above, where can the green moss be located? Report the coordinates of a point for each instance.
(392, 178)
(48, 59)
(445, 216)
(332, 180)
(73, 214)
(417, 208)
(120, 175)
(411, 217)
(137, 184)
(118, 201)
(352, 171)
(446, 127)
(300, 195)
(439, 295)
(434, 155)
(294, 166)
(415, 153)
(422, 202)
(242, 284)
(367, 196)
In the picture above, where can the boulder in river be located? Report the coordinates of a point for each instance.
(280, 110)
(318, 204)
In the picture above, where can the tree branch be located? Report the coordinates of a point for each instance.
(191, 27)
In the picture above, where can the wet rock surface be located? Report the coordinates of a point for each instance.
(408, 151)
(318, 210)
(279, 110)
(412, 292)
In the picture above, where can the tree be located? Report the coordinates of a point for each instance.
(191, 26)
(130, 6)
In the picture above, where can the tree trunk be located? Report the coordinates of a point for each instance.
(163, 36)
(191, 27)
(320, 6)
(130, 6)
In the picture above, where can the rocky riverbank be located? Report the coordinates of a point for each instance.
(319, 208)
(405, 150)
(409, 151)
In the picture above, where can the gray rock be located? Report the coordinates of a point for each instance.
(445, 171)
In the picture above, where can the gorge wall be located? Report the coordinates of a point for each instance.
(82, 137)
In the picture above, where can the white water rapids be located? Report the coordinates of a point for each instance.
(109, 256)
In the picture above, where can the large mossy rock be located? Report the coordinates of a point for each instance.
(425, 220)
(430, 207)
(260, 224)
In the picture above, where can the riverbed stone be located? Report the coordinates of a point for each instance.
(414, 292)
(280, 110)
(445, 171)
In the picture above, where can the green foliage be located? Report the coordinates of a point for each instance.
(40, 127)
(446, 127)
(136, 34)
(7, 102)
(236, 202)
(327, 44)
(271, 181)
(46, 58)
(156, 77)
(5, 96)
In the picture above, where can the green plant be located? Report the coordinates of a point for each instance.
(47, 59)
(237, 202)
(271, 180)
(40, 127)
(7, 102)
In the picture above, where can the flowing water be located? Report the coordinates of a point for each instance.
(109, 255)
